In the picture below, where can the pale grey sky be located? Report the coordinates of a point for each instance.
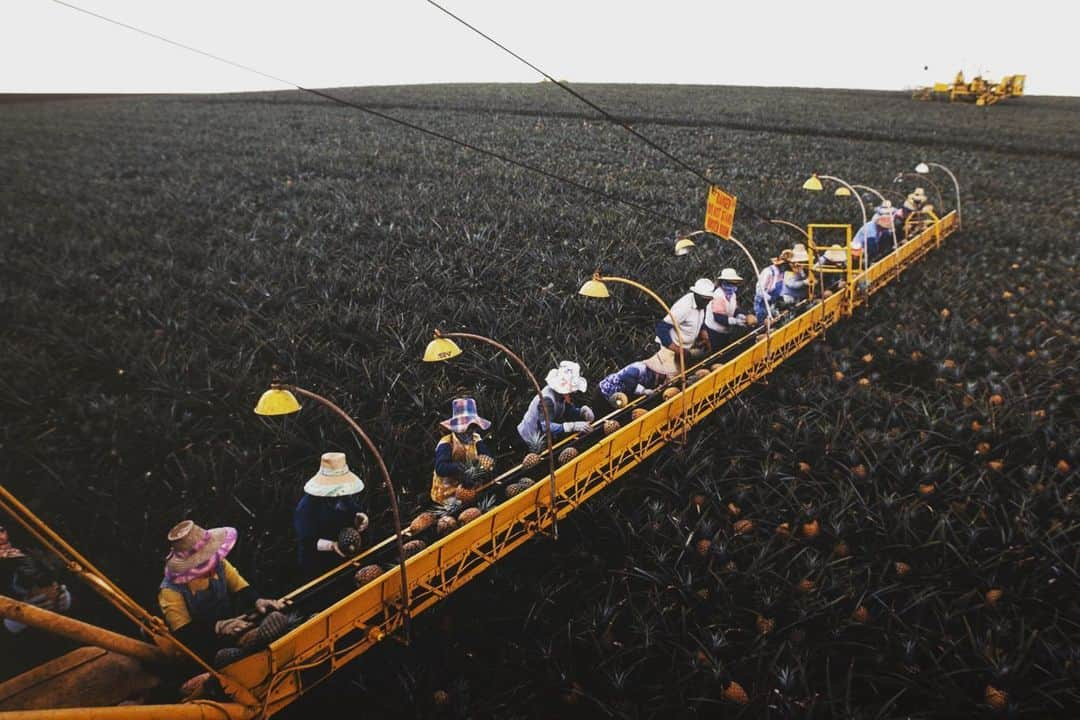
(329, 43)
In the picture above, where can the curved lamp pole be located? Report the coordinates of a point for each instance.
(785, 223)
(923, 168)
(595, 288)
(443, 348)
(280, 399)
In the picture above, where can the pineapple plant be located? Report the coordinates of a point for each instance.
(901, 568)
(811, 529)
(744, 526)
(995, 698)
(466, 495)
(993, 595)
(734, 692)
(468, 515)
(446, 525)
(413, 546)
(421, 522)
(367, 574)
(531, 460)
(860, 614)
(518, 487)
(349, 541)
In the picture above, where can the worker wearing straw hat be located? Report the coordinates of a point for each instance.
(723, 314)
(914, 203)
(770, 284)
(331, 503)
(566, 417)
(875, 237)
(202, 591)
(461, 456)
(639, 378)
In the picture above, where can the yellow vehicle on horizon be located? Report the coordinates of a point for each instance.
(979, 90)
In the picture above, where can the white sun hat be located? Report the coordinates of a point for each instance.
(836, 254)
(729, 275)
(799, 254)
(566, 378)
(703, 286)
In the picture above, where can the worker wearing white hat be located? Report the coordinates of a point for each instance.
(796, 281)
(723, 312)
(688, 313)
(565, 416)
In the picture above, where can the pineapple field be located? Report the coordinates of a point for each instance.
(887, 528)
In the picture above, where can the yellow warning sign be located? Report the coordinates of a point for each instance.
(720, 213)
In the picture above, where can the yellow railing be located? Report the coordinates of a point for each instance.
(298, 661)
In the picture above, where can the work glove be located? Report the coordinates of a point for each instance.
(647, 392)
(232, 627)
(265, 605)
(579, 427)
(324, 545)
(587, 413)
(739, 320)
(361, 522)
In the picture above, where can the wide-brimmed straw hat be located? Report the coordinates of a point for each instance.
(835, 254)
(703, 286)
(334, 478)
(462, 415)
(799, 254)
(729, 275)
(784, 256)
(918, 194)
(566, 378)
(663, 362)
(195, 551)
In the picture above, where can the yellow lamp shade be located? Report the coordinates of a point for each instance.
(441, 349)
(922, 168)
(683, 246)
(842, 192)
(813, 183)
(276, 401)
(594, 289)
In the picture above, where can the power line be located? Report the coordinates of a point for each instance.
(611, 118)
(405, 123)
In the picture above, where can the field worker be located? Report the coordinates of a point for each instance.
(915, 202)
(36, 583)
(565, 417)
(875, 237)
(831, 265)
(460, 456)
(688, 313)
(770, 284)
(722, 314)
(796, 285)
(202, 592)
(639, 378)
(330, 503)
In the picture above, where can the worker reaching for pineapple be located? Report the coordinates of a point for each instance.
(639, 378)
(329, 518)
(461, 458)
(688, 313)
(723, 314)
(770, 285)
(565, 417)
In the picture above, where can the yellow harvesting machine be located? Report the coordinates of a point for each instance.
(979, 90)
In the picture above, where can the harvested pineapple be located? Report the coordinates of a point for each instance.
(421, 522)
(530, 461)
(367, 573)
(567, 455)
(619, 400)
